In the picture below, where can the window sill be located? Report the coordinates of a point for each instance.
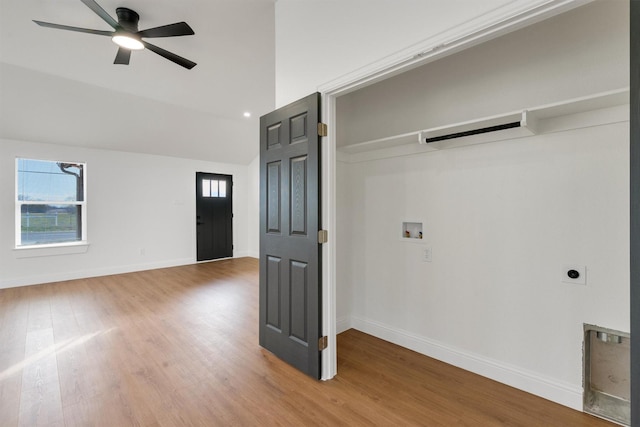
(51, 250)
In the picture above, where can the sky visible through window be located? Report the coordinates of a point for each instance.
(40, 180)
(50, 202)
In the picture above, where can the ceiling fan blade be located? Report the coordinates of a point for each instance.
(170, 56)
(91, 4)
(171, 30)
(123, 56)
(79, 30)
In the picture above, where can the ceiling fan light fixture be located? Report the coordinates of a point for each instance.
(127, 41)
(126, 35)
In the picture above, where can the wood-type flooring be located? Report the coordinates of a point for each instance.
(179, 347)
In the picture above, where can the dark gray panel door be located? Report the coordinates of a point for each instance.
(214, 216)
(290, 285)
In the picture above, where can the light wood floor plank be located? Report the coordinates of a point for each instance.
(179, 347)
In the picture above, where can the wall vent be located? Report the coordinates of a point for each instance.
(495, 128)
(473, 132)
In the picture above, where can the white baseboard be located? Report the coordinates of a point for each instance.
(343, 324)
(38, 279)
(557, 391)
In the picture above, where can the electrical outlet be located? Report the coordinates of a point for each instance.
(574, 274)
(426, 255)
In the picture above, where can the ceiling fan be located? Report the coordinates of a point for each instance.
(127, 36)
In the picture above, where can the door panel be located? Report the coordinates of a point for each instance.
(298, 196)
(273, 282)
(298, 301)
(290, 292)
(214, 216)
(273, 197)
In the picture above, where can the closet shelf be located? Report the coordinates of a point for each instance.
(500, 127)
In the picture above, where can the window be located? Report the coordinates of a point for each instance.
(214, 188)
(50, 202)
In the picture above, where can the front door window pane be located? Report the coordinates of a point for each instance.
(214, 188)
(206, 188)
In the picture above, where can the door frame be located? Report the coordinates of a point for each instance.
(467, 35)
(634, 187)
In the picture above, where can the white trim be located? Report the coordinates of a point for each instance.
(608, 108)
(343, 324)
(557, 391)
(513, 16)
(81, 204)
(77, 248)
(329, 357)
(38, 279)
(67, 248)
(500, 21)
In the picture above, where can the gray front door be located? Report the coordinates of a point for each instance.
(290, 283)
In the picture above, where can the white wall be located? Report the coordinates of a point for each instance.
(40, 107)
(253, 214)
(349, 256)
(318, 41)
(502, 219)
(134, 202)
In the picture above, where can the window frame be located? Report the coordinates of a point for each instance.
(82, 206)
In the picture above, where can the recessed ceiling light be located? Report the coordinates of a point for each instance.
(247, 114)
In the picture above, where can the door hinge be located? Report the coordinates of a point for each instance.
(323, 236)
(322, 129)
(322, 343)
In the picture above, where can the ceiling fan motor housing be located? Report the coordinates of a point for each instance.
(128, 19)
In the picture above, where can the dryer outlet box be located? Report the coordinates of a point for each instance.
(576, 274)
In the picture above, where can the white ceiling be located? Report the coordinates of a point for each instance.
(62, 87)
